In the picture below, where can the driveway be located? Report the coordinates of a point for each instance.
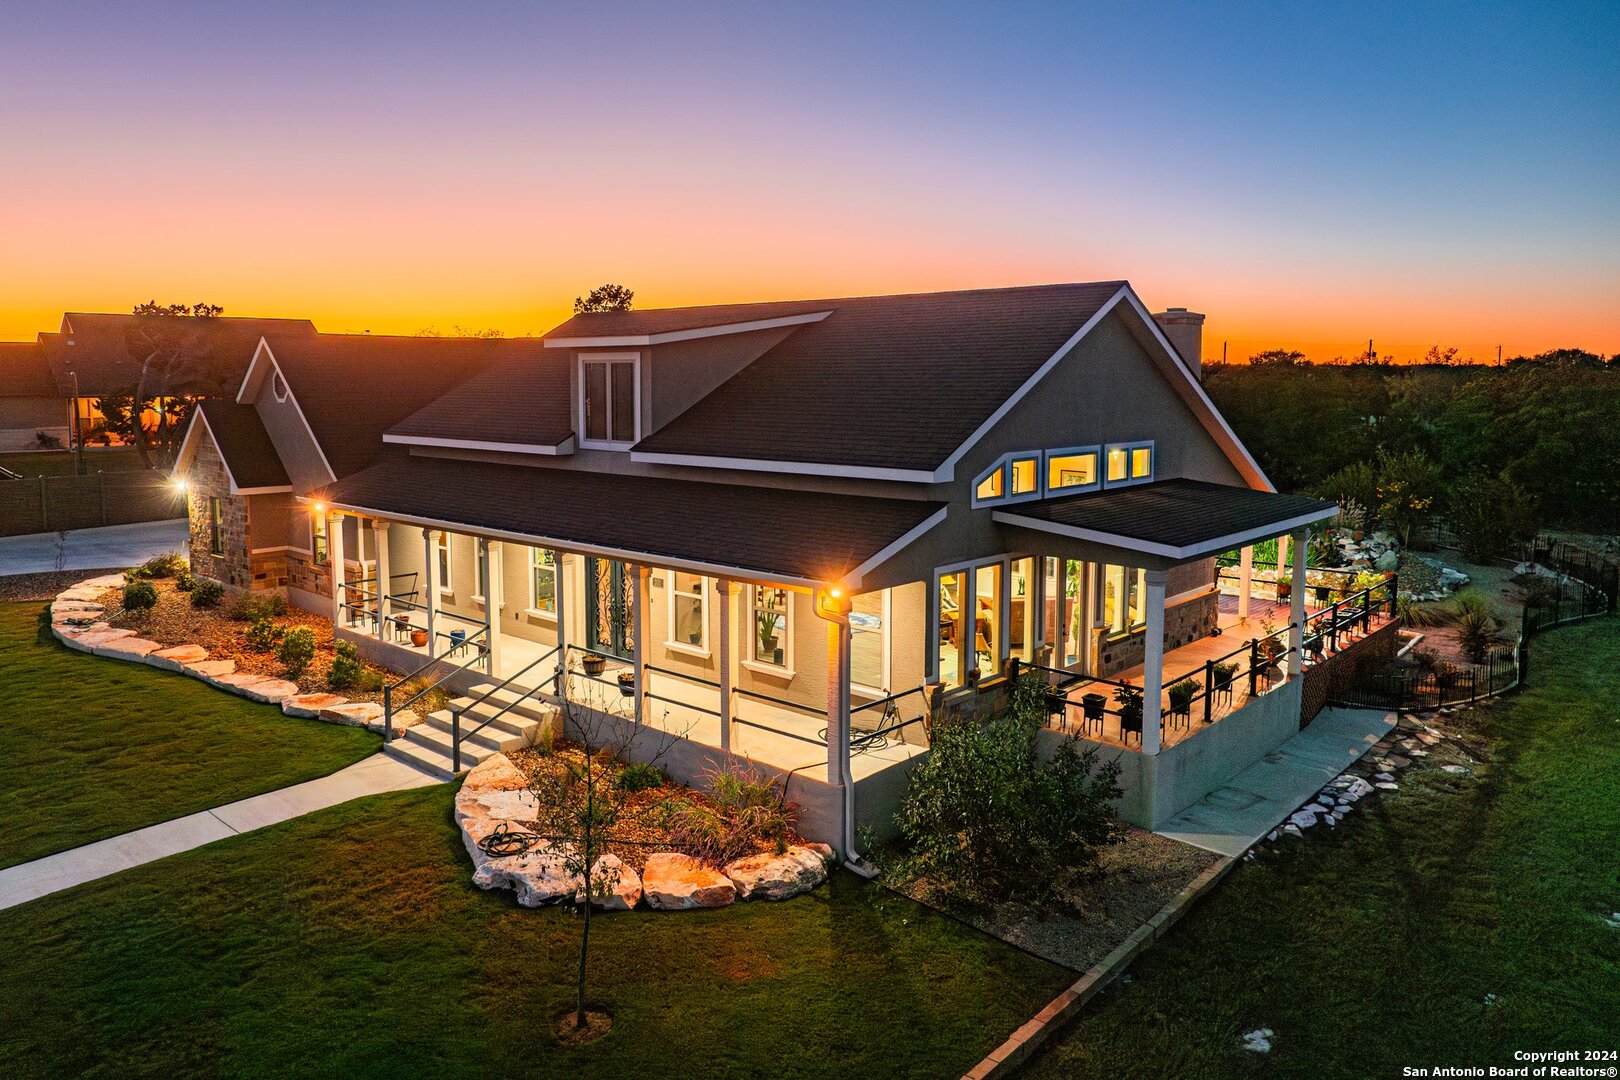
(92, 549)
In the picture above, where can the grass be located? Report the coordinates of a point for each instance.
(350, 943)
(60, 462)
(91, 747)
(1452, 924)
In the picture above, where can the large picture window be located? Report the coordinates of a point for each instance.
(689, 612)
(1071, 470)
(608, 403)
(769, 626)
(1123, 590)
(543, 580)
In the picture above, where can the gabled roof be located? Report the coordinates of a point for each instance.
(24, 372)
(760, 533)
(96, 347)
(245, 447)
(351, 388)
(891, 383)
(520, 401)
(647, 327)
(1178, 519)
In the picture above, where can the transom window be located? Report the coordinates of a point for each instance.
(543, 580)
(769, 611)
(1026, 475)
(1071, 470)
(689, 612)
(1129, 463)
(1032, 474)
(609, 400)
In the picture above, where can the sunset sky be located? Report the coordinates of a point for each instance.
(1308, 175)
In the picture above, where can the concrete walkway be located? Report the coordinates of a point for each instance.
(376, 774)
(1231, 819)
(92, 549)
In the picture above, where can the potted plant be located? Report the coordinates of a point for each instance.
(1223, 676)
(1129, 699)
(1181, 696)
(770, 634)
(1285, 588)
(1056, 701)
(418, 637)
(593, 664)
(627, 683)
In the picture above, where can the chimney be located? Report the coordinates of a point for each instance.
(1185, 329)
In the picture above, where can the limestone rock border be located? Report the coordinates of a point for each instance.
(78, 621)
(495, 792)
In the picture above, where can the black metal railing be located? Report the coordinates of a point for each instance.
(1441, 685)
(390, 706)
(555, 679)
(873, 724)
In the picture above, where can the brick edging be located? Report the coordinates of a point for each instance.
(1006, 1058)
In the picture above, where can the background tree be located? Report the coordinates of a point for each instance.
(608, 297)
(1408, 484)
(175, 351)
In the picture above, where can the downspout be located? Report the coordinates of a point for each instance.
(833, 605)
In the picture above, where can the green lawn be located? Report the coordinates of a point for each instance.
(60, 462)
(350, 943)
(1377, 947)
(90, 747)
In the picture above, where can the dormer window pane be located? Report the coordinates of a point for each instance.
(991, 486)
(624, 403)
(609, 407)
(1071, 470)
(596, 401)
(1118, 463)
(1026, 475)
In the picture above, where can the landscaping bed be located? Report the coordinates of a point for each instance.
(45, 586)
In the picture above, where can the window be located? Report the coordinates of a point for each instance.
(543, 580)
(1022, 616)
(609, 406)
(444, 563)
(992, 485)
(770, 609)
(951, 598)
(318, 549)
(869, 640)
(1071, 470)
(278, 386)
(1026, 475)
(1123, 590)
(987, 619)
(1129, 463)
(216, 526)
(689, 612)
(481, 551)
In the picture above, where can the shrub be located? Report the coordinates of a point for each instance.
(639, 776)
(1426, 659)
(748, 812)
(370, 681)
(296, 650)
(186, 581)
(345, 670)
(988, 819)
(1476, 633)
(140, 596)
(264, 634)
(249, 607)
(1469, 602)
(167, 565)
(1414, 613)
(207, 593)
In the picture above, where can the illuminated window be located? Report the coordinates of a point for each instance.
(1118, 463)
(1129, 463)
(318, 549)
(216, 525)
(1026, 475)
(444, 562)
(1141, 462)
(769, 610)
(1071, 469)
(987, 585)
(689, 611)
(951, 624)
(993, 485)
(543, 580)
(1123, 590)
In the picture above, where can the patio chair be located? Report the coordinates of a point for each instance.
(1128, 725)
(1091, 709)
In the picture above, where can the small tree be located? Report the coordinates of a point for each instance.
(175, 350)
(1408, 483)
(607, 297)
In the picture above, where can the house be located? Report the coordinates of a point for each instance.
(802, 532)
(32, 414)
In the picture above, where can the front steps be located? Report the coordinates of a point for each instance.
(427, 746)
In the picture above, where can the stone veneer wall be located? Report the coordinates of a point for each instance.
(1183, 624)
(208, 478)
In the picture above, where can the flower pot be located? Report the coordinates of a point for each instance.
(419, 638)
(1357, 535)
(627, 684)
(593, 664)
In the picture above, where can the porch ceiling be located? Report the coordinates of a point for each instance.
(1174, 520)
(758, 533)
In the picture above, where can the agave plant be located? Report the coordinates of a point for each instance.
(1476, 633)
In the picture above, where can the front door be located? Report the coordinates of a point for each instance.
(608, 596)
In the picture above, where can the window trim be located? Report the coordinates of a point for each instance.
(1129, 447)
(785, 669)
(216, 525)
(534, 610)
(969, 597)
(705, 585)
(447, 564)
(1004, 464)
(1095, 449)
(865, 689)
(634, 358)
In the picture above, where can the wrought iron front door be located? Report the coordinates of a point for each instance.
(609, 594)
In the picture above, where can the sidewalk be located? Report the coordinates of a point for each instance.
(374, 775)
(1231, 819)
(92, 549)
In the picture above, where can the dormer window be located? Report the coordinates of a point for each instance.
(609, 400)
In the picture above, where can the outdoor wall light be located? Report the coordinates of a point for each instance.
(832, 603)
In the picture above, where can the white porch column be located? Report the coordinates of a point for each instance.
(1296, 607)
(838, 701)
(430, 574)
(494, 593)
(1245, 581)
(639, 630)
(385, 605)
(1153, 658)
(722, 587)
(334, 557)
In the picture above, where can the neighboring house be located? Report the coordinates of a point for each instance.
(32, 412)
(803, 530)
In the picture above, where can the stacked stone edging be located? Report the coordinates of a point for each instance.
(77, 621)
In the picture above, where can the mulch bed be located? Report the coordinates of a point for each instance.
(1097, 908)
(175, 622)
(19, 588)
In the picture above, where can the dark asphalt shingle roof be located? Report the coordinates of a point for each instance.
(24, 372)
(244, 444)
(762, 530)
(1176, 513)
(669, 320)
(98, 350)
(522, 397)
(894, 382)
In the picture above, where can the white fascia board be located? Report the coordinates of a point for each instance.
(857, 575)
(1168, 551)
(191, 434)
(800, 468)
(253, 377)
(948, 468)
(550, 450)
(707, 569)
(617, 340)
(1203, 407)
(277, 490)
(264, 362)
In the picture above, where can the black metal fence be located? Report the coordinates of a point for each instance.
(1417, 689)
